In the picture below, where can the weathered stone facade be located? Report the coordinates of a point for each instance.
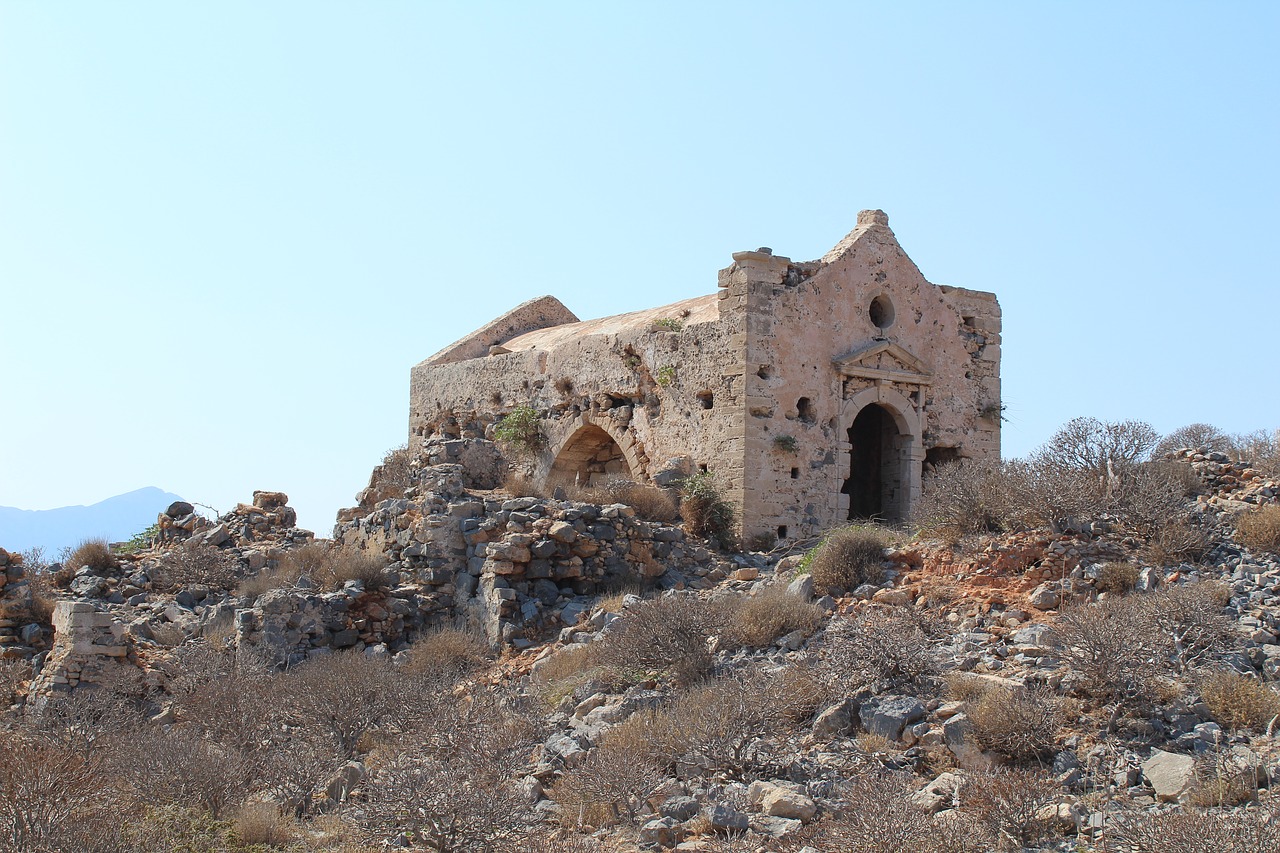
(817, 392)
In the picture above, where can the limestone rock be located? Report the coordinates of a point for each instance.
(1170, 775)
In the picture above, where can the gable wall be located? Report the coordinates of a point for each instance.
(801, 317)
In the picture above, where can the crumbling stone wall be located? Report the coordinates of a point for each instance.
(760, 383)
(513, 567)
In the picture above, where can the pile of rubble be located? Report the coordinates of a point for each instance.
(20, 634)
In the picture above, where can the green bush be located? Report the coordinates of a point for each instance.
(705, 510)
(521, 429)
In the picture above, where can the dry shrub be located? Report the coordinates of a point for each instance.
(878, 815)
(94, 553)
(520, 485)
(665, 635)
(963, 498)
(1010, 803)
(262, 823)
(1189, 830)
(1197, 436)
(722, 724)
(650, 502)
(1225, 777)
(1261, 449)
(1019, 724)
(849, 557)
(194, 564)
(1179, 539)
(46, 789)
(13, 674)
(760, 619)
(1259, 529)
(1189, 624)
(447, 652)
(1112, 645)
(1239, 702)
(452, 788)
(1118, 578)
(350, 564)
(615, 780)
(884, 648)
(393, 476)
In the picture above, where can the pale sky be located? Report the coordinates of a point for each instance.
(228, 230)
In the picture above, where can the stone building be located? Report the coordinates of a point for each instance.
(815, 392)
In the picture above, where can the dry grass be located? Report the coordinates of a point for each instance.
(520, 485)
(760, 619)
(349, 564)
(1118, 578)
(95, 553)
(328, 566)
(1259, 529)
(1239, 702)
(262, 823)
(447, 652)
(848, 558)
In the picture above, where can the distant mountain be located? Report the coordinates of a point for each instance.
(114, 519)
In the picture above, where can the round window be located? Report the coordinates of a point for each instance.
(881, 312)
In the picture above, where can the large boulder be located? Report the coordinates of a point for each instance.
(889, 715)
(1169, 774)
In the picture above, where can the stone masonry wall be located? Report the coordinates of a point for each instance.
(803, 317)
(662, 383)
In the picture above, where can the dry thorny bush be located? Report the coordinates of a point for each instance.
(1253, 830)
(1239, 702)
(669, 634)
(1021, 724)
(1123, 646)
(1259, 529)
(190, 564)
(884, 648)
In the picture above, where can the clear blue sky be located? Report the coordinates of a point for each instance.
(228, 230)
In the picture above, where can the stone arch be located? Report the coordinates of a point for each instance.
(588, 451)
(895, 423)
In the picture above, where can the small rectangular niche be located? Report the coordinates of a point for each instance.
(795, 473)
(782, 531)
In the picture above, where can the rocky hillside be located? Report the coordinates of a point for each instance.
(463, 668)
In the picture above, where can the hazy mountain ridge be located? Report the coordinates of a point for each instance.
(115, 518)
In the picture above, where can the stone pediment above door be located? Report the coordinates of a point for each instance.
(884, 360)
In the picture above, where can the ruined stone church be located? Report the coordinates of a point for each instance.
(816, 392)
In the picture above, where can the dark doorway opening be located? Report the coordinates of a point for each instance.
(871, 442)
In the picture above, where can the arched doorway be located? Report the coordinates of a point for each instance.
(875, 485)
(589, 458)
